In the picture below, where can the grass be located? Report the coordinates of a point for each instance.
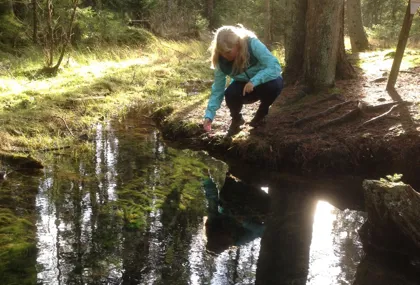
(38, 112)
(96, 84)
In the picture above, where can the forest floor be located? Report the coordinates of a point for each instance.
(171, 80)
(355, 128)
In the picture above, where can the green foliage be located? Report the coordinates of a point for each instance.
(107, 27)
(383, 21)
(387, 32)
(392, 178)
(12, 34)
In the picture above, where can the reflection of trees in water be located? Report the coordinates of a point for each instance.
(90, 239)
(346, 242)
(285, 245)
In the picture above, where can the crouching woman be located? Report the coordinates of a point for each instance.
(254, 71)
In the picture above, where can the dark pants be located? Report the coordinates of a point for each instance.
(266, 93)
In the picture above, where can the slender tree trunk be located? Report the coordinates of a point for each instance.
(50, 36)
(344, 68)
(394, 12)
(35, 21)
(399, 53)
(295, 33)
(267, 24)
(322, 42)
(209, 13)
(67, 37)
(358, 39)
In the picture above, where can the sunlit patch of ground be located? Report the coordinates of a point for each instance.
(374, 63)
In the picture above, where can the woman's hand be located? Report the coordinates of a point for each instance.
(207, 124)
(248, 88)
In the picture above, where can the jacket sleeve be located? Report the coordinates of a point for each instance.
(271, 66)
(217, 93)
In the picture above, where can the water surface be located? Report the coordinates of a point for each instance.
(131, 210)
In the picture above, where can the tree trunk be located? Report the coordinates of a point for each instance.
(295, 33)
(267, 24)
(323, 21)
(399, 53)
(209, 13)
(35, 21)
(358, 39)
(50, 34)
(344, 68)
(315, 43)
(67, 36)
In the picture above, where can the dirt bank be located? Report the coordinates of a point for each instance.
(355, 128)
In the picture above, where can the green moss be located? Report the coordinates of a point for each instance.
(17, 249)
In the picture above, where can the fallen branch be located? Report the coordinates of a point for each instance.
(378, 117)
(321, 114)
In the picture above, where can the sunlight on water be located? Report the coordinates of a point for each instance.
(335, 249)
(106, 151)
(237, 265)
(47, 235)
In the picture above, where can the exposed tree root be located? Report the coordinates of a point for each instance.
(369, 108)
(378, 117)
(335, 96)
(362, 108)
(344, 118)
(321, 114)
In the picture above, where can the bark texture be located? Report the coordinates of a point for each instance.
(358, 39)
(321, 45)
(295, 33)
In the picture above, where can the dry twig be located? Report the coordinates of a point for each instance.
(65, 123)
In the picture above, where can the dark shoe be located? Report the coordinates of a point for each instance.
(258, 120)
(235, 126)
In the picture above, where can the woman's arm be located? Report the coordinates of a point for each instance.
(271, 66)
(217, 93)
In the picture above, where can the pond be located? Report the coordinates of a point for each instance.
(129, 209)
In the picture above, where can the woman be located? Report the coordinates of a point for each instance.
(255, 76)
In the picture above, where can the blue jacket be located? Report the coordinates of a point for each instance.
(267, 68)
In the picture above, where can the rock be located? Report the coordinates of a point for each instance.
(393, 225)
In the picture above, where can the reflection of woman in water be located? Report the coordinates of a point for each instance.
(224, 229)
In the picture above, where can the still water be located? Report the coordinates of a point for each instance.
(131, 210)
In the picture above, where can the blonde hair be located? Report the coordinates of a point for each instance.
(225, 38)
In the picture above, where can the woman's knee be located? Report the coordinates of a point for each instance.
(234, 92)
